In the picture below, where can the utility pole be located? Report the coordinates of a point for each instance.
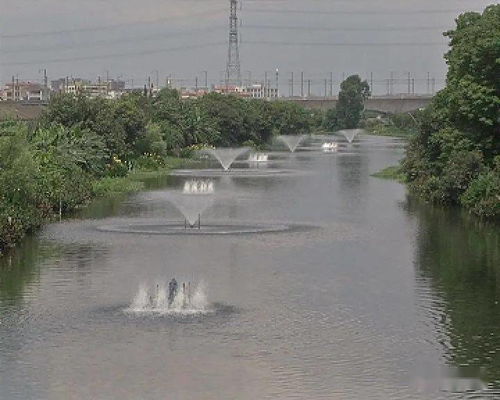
(157, 80)
(331, 84)
(265, 85)
(291, 86)
(233, 69)
(391, 83)
(196, 85)
(326, 86)
(428, 82)
(46, 85)
(371, 83)
(107, 82)
(302, 84)
(409, 82)
(206, 80)
(277, 82)
(308, 88)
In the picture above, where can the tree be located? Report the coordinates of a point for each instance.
(353, 93)
(330, 120)
(228, 114)
(471, 100)
(451, 159)
(290, 118)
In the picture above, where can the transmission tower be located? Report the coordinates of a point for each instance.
(233, 70)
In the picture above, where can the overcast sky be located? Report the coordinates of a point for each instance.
(183, 38)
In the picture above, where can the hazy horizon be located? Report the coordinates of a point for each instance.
(132, 40)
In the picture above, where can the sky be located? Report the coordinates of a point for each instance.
(181, 39)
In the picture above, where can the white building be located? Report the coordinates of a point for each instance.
(24, 91)
(260, 91)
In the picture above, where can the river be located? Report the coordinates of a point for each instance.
(371, 295)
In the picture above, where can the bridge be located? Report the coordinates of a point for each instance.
(383, 104)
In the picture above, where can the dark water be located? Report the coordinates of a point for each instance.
(380, 297)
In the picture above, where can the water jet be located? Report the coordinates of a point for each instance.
(350, 134)
(292, 141)
(196, 197)
(226, 156)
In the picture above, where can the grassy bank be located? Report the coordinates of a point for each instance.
(393, 172)
(397, 125)
(134, 181)
(380, 129)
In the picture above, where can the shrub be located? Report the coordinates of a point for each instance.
(149, 162)
(483, 194)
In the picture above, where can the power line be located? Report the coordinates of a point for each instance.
(88, 44)
(344, 44)
(346, 12)
(115, 55)
(109, 27)
(347, 29)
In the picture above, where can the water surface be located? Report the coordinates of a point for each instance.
(382, 297)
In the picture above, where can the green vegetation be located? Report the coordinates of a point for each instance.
(454, 157)
(392, 172)
(108, 185)
(397, 125)
(81, 148)
(349, 110)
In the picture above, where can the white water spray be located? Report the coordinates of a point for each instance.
(292, 141)
(227, 156)
(190, 300)
(196, 197)
(329, 147)
(350, 134)
(258, 157)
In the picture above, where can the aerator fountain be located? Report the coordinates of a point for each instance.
(226, 156)
(292, 141)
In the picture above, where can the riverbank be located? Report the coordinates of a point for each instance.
(389, 130)
(393, 172)
(14, 227)
(134, 181)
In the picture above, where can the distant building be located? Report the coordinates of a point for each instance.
(107, 89)
(24, 91)
(190, 93)
(255, 91)
(260, 91)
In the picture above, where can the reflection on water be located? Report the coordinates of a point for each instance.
(18, 269)
(459, 258)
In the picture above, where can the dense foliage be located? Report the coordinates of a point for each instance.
(399, 125)
(350, 106)
(454, 158)
(52, 167)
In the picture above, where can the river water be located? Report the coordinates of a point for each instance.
(376, 296)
